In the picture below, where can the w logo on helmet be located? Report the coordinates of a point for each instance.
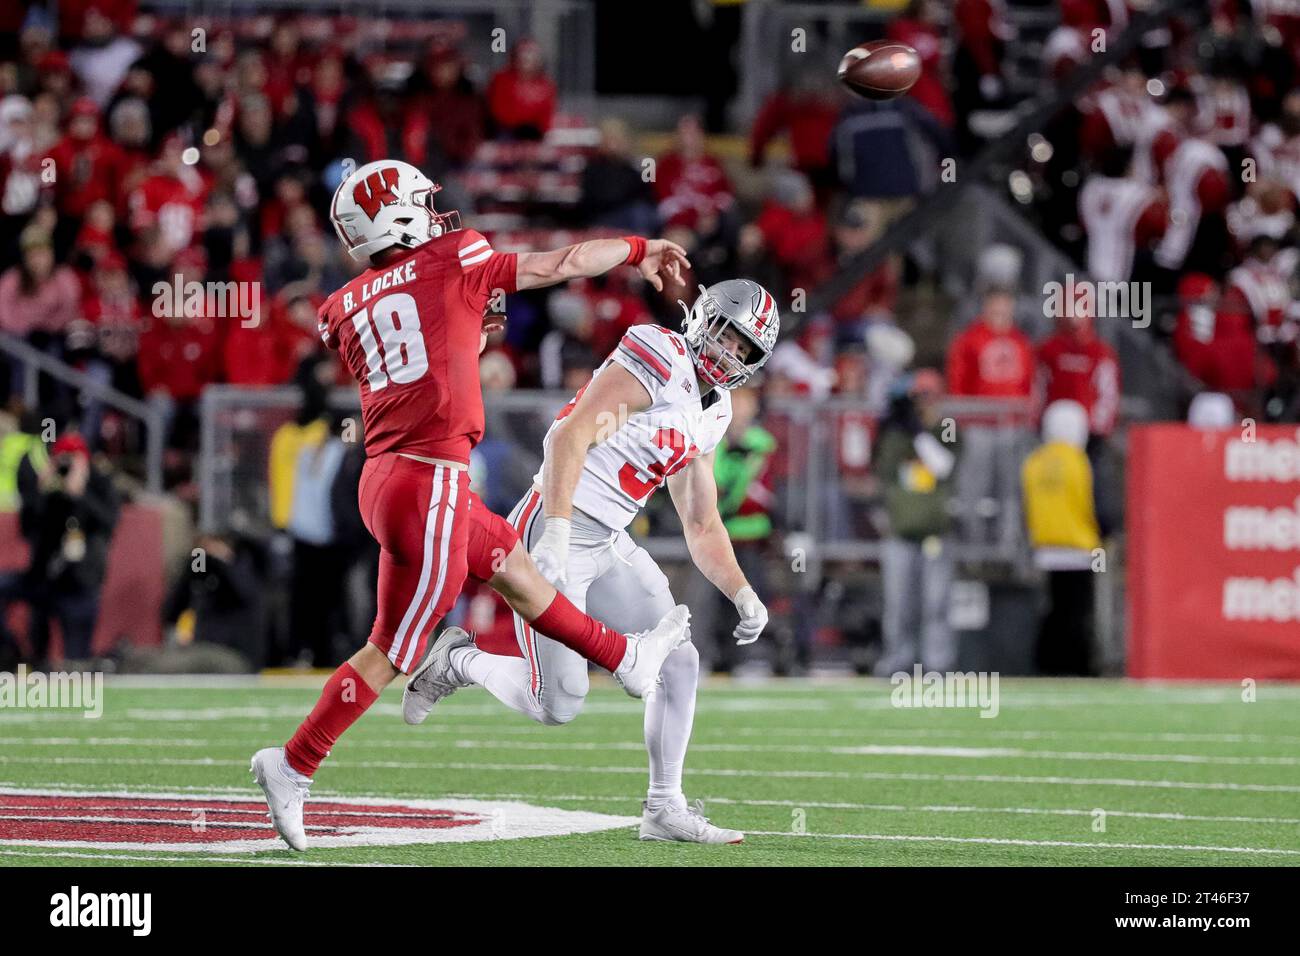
(376, 191)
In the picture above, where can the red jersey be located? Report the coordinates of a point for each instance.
(1082, 368)
(991, 364)
(409, 334)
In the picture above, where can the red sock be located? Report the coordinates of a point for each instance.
(345, 698)
(565, 623)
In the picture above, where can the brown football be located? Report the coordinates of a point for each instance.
(881, 69)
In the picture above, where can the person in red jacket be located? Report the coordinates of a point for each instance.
(690, 184)
(521, 97)
(171, 199)
(921, 28)
(808, 110)
(1075, 364)
(88, 165)
(991, 358)
(793, 231)
(179, 354)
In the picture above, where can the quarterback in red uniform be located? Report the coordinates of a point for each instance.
(410, 329)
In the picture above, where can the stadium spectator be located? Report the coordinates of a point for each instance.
(1196, 177)
(167, 205)
(1123, 217)
(1061, 518)
(874, 149)
(39, 299)
(613, 187)
(991, 358)
(215, 600)
(88, 165)
(20, 174)
(793, 232)
(458, 110)
(915, 466)
(691, 185)
(807, 109)
(744, 501)
(180, 352)
(318, 622)
(857, 226)
(1076, 364)
(112, 307)
(921, 28)
(977, 67)
(521, 97)
(69, 510)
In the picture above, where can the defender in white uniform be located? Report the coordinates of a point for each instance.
(652, 414)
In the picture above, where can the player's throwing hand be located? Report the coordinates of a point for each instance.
(662, 258)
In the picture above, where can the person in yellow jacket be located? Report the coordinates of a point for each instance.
(1061, 519)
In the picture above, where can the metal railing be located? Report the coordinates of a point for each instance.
(37, 363)
(822, 497)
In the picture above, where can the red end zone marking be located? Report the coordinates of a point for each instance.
(161, 820)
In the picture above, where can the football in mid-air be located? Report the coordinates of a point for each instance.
(881, 69)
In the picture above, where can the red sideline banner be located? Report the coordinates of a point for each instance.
(1214, 553)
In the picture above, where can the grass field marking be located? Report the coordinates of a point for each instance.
(900, 808)
(714, 771)
(1007, 841)
(696, 771)
(865, 750)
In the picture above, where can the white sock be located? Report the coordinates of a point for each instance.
(508, 679)
(669, 717)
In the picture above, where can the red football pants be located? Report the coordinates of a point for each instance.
(432, 532)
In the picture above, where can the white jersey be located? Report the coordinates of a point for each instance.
(625, 468)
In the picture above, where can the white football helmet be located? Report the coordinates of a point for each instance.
(387, 203)
(743, 305)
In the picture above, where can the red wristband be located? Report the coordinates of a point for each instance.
(637, 253)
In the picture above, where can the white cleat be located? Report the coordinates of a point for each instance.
(638, 674)
(285, 794)
(684, 824)
(435, 678)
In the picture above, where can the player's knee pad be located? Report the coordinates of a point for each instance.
(565, 702)
(682, 662)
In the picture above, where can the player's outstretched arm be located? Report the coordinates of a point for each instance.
(605, 405)
(654, 258)
(695, 496)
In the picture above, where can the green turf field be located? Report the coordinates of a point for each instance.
(819, 773)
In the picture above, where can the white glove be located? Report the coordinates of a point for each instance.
(551, 553)
(753, 616)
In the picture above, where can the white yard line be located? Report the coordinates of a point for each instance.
(901, 808)
(999, 841)
(699, 772)
(865, 750)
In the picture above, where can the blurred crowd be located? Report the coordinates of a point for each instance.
(1180, 169)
